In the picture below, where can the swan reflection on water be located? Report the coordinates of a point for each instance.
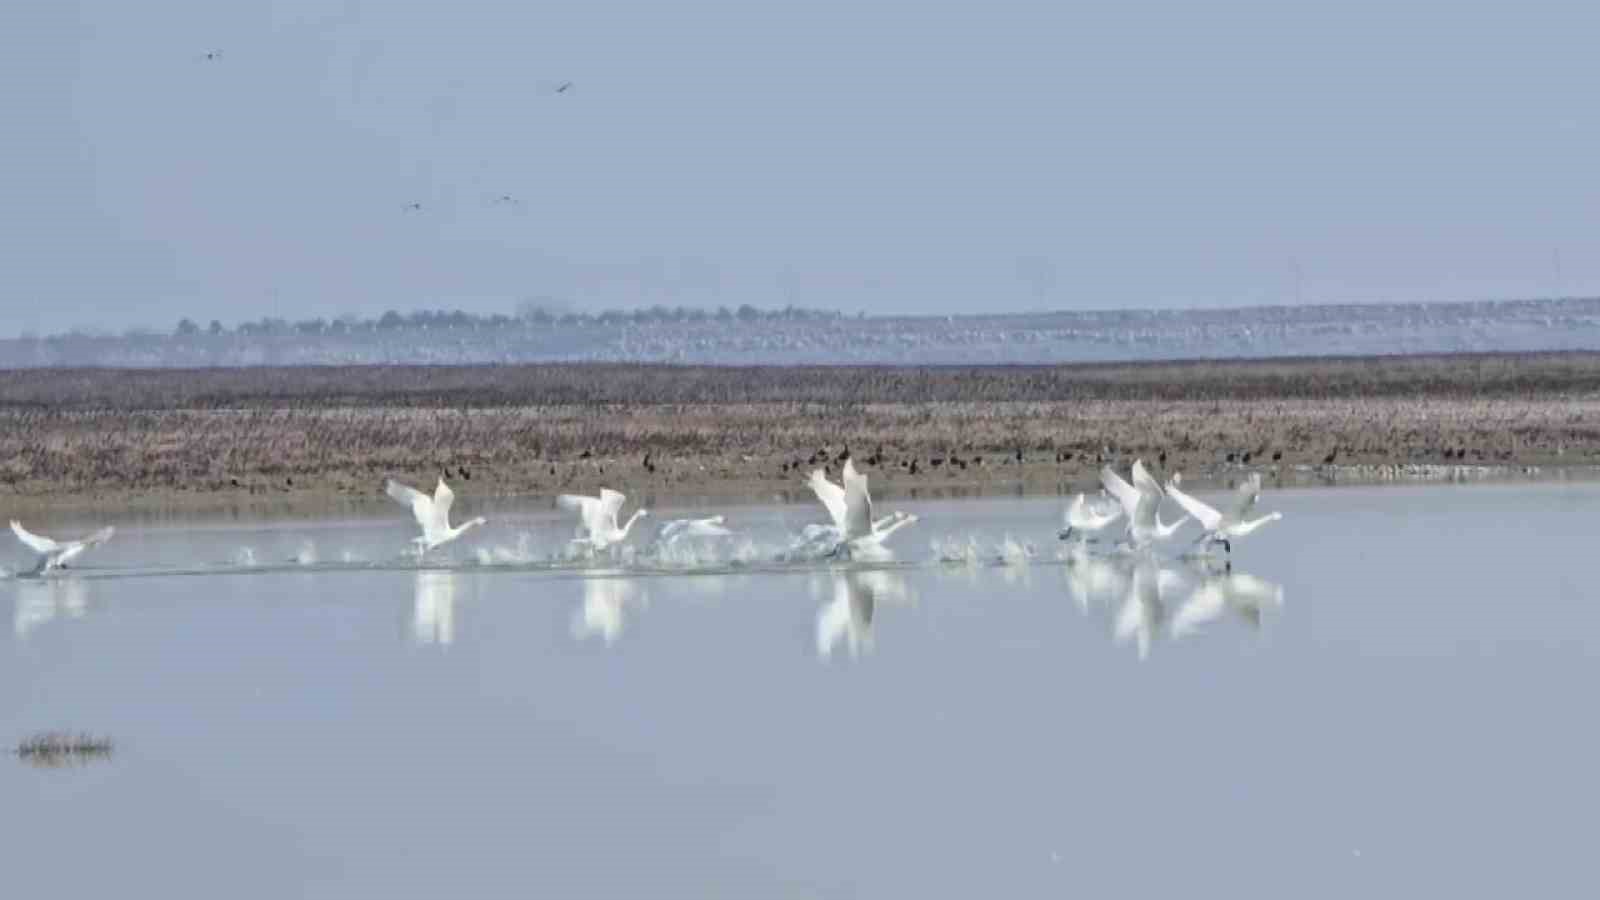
(39, 601)
(848, 618)
(1142, 591)
(433, 613)
(606, 601)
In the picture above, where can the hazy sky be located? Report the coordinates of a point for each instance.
(885, 156)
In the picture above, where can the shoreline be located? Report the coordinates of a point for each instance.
(323, 438)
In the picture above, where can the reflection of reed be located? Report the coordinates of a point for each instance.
(38, 601)
(57, 749)
(433, 615)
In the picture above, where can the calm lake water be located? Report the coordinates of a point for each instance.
(1390, 692)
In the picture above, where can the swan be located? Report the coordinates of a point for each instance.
(1141, 503)
(850, 508)
(432, 513)
(1085, 519)
(1221, 527)
(709, 527)
(56, 554)
(597, 518)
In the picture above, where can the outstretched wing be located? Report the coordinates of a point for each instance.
(1143, 481)
(442, 498)
(587, 508)
(857, 503)
(1244, 498)
(1125, 493)
(831, 495)
(420, 504)
(99, 537)
(36, 542)
(1208, 518)
(611, 505)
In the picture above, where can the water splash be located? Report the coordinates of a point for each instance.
(306, 555)
(953, 550)
(520, 554)
(244, 557)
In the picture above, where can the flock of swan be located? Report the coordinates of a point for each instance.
(1126, 512)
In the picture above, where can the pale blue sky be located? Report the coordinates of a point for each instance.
(885, 156)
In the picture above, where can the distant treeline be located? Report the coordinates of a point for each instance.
(530, 314)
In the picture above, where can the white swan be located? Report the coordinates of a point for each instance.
(850, 507)
(55, 554)
(1141, 503)
(432, 514)
(597, 518)
(676, 529)
(1084, 519)
(1222, 527)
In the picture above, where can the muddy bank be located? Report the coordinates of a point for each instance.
(281, 435)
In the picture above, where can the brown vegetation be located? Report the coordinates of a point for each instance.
(541, 428)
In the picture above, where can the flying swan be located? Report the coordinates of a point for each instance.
(850, 508)
(1141, 503)
(432, 513)
(597, 518)
(56, 554)
(1221, 527)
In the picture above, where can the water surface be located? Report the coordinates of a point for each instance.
(1388, 692)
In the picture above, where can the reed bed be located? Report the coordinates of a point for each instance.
(533, 428)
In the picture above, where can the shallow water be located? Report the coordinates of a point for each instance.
(1389, 691)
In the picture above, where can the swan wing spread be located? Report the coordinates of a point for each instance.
(443, 497)
(1143, 481)
(831, 495)
(99, 537)
(857, 503)
(36, 542)
(1125, 493)
(1208, 518)
(611, 504)
(590, 510)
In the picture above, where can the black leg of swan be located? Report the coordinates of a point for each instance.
(1065, 534)
(1226, 546)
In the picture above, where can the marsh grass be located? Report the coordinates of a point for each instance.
(536, 428)
(58, 749)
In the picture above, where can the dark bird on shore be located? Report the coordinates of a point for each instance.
(465, 475)
(234, 481)
(1246, 457)
(1332, 455)
(936, 461)
(1019, 454)
(843, 454)
(1162, 459)
(1230, 457)
(648, 465)
(585, 455)
(784, 468)
(288, 482)
(913, 467)
(1277, 455)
